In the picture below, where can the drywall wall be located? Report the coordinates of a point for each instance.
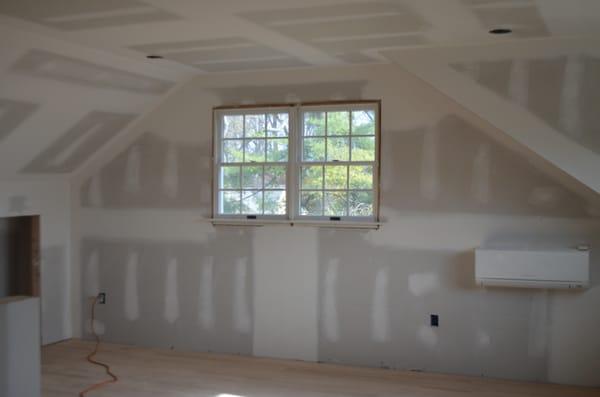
(347, 296)
(49, 199)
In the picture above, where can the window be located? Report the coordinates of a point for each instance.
(294, 163)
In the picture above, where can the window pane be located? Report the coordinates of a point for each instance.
(335, 203)
(337, 162)
(252, 202)
(230, 177)
(252, 177)
(275, 177)
(233, 151)
(336, 177)
(311, 203)
(278, 124)
(361, 177)
(312, 177)
(275, 202)
(363, 149)
(361, 203)
(338, 149)
(363, 122)
(277, 150)
(255, 125)
(255, 151)
(229, 202)
(313, 149)
(233, 126)
(338, 123)
(314, 123)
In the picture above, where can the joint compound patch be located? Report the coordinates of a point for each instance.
(92, 272)
(171, 172)
(95, 191)
(420, 284)
(241, 310)
(518, 88)
(133, 176)
(171, 313)
(380, 327)
(427, 336)
(330, 318)
(570, 106)
(132, 309)
(481, 181)
(206, 296)
(430, 173)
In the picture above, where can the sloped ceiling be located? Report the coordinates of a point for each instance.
(74, 74)
(59, 102)
(539, 95)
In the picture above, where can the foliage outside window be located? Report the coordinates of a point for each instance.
(302, 162)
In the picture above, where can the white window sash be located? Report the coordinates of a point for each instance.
(294, 166)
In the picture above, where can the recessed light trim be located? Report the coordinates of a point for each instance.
(501, 31)
(154, 56)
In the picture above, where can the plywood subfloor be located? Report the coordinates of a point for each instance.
(155, 372)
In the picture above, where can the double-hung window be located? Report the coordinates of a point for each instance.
(297, 163)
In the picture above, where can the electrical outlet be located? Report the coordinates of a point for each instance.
(102, 298)
(434, 320)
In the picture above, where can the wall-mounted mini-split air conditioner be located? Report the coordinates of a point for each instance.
(552, 268)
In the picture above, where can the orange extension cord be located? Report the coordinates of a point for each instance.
(91, 360)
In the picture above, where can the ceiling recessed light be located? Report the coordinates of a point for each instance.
(501, 31)
(154, 56)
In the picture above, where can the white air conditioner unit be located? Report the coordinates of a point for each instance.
(558, 268)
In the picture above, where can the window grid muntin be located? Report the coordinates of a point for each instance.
(295, 151)
(350, 108)
(221, 164)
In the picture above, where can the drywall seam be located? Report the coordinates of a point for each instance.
(329, 310)
(380, 314)
(482, 174)
(569, 117)
(430, 173)
(206, 299)
(518, 89)
(132, 310)
(242, 321)
(171, 311)
(133, 170)
(170, 173)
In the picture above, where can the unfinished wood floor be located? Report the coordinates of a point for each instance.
(165, 373)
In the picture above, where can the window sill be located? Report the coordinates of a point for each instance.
(295, 222)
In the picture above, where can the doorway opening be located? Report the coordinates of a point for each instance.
(20, 256)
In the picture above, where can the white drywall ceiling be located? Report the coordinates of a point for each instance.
(92, 54)
(294, 34)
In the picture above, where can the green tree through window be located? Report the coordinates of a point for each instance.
(332, 151)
